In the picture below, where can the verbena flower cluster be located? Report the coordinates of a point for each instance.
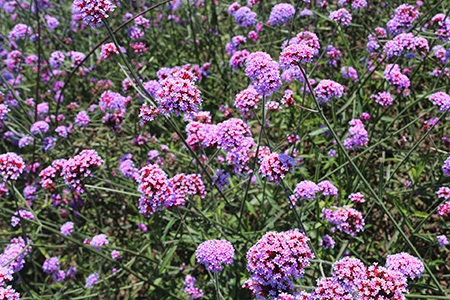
(94, 12)
(275, 261)
(308, 190)
(214, 254)
(345, 219)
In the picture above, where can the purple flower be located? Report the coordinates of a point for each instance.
(56, 59)
(79, 167)
(275, 261)
(67, 228)
(446, 167)
(346, 219)
(327, 242)
(281, 14)
(214, 253)
(115, 254)
(327, 89)
(24, 214)
(442, 100)
(380, 282)
(442, 240)
(39, 127)
(444, 209)
(11, 166)
(94, 11)
(190, 289)
(341, 16)
(247, 100)
(25, 141)
(349, 271)
(239, 58)
(275, 166)
(91, 280)
(408, 265)
(349, 73)
(19, 31)
(221, 179)
(294, 54)
(4, 110)
(263, 72)
(244, 17)
(383, 98)
(51, 265)
(178, 93)
(99, 240)
(328, 189)
(52, 22)
(357, 135)
(330, 288)
(393, 74)
(82, 119)
(305, 190)
(9, 293)
(357, 198)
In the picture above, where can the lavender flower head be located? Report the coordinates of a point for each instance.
(281, 14)
(264, 73)
(91, 280)
(214, 253)
(245, 17)
(305, 190)
(67, 228)
(11, 166)
(51, 265)
(405, 263)
(327, 89)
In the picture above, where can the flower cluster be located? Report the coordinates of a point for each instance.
(383, 98)
(346, 219)
(158, 191)
(244, 17)
(190, 289)
(307, 190)
(446, 167)
(405, 41)
(410, 266)
(357, 197)
(109, 49)
(349, 73)
(357, 135)
(275, 260)
(11, 166)
(12, 259)
(214, 253)
(247, 100)
(402, 19)
(281, 14)
(275, 166)
(327, 89)
(178, 93)
(341, 16)
(94, 11)
(263, 72)
(440, 99)
(79, 167)
(392, 73)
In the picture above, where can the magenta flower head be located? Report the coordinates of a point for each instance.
(214, 253)
(281, 14)
(94, 11)
(405, 263)
(275, 261)
(11, 166)
(91, 280)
